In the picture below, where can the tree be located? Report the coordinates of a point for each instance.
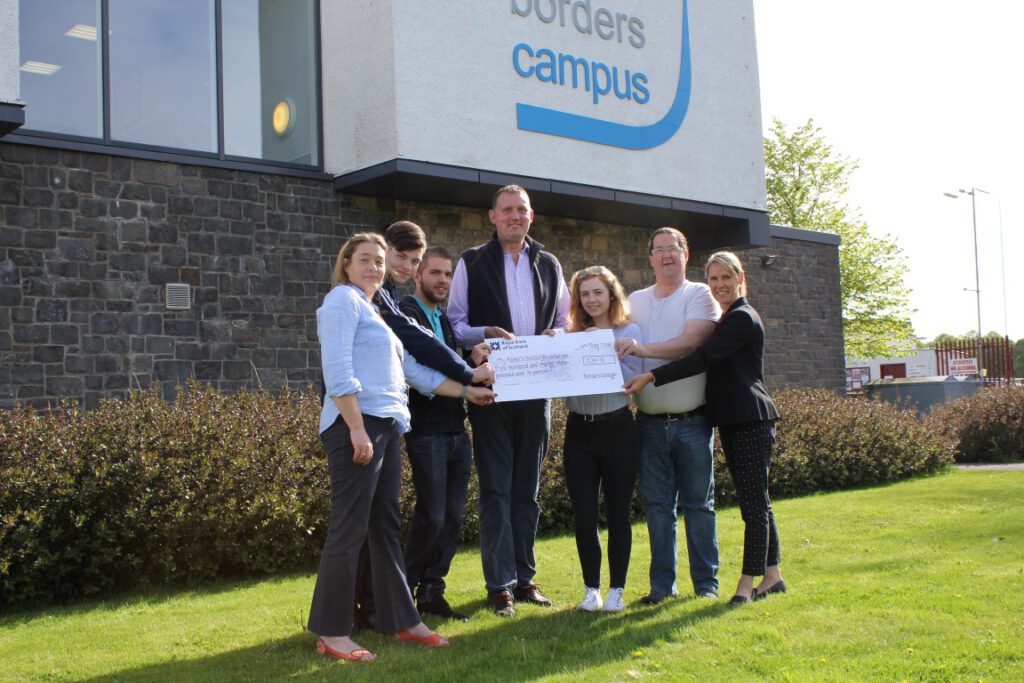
(806, 181)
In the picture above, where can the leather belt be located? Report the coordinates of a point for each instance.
(699, 410)
(602, 417)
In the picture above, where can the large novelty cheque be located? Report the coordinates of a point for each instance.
(573, 364)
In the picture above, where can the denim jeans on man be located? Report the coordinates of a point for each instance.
(441, 467)
(676, 469)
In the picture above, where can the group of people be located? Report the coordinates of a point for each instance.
(706, 371)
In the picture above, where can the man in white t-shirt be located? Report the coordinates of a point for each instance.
(675, 316)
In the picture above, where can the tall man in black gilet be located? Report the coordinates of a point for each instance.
(509, 286)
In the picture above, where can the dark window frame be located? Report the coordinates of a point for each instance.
(106, 145)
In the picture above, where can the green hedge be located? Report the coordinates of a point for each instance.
(143, 492)
(986, 427)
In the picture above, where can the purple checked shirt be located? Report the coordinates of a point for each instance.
(518, 288)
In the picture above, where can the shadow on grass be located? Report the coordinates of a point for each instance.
(537, 643)
(152, 596)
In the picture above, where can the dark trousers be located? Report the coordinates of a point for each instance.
(602, 455)
(364, 506)
(510, 441)
(365, 609)
(441, 466)
(748, 454)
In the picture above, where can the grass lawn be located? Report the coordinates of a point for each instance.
(917, 581)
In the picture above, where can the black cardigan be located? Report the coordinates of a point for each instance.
(733, 357)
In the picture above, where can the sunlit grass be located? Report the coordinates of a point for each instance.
(917, 581)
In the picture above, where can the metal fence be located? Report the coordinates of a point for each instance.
(995, 359)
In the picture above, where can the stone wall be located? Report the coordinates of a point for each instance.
(799, 300)
(88, 241)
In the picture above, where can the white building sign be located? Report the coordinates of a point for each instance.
(963, 366)
(650, 96)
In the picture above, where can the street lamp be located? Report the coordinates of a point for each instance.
(977, 274)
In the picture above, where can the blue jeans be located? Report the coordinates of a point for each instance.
(676, 468)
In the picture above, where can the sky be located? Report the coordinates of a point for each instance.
(921, 93)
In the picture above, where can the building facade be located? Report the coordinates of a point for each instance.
(176, 178)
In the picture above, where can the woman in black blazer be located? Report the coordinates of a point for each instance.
(738, 404)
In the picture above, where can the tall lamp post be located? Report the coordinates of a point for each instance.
(973, 192)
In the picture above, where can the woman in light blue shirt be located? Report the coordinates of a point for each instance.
(601, 449)
(364, 414)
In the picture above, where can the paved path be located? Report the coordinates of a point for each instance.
(1002, 467)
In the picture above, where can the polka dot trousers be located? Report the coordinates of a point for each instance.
(748, 454)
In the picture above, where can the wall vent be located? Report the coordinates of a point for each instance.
(179, 296)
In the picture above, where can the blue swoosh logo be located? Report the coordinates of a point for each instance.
(588, 129)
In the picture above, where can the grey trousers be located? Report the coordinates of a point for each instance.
(364, 505)
(510, 441)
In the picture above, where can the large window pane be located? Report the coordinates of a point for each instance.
(60, 66)
(270, 80)
(163, 73)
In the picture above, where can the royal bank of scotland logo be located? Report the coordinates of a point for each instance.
(603, 132)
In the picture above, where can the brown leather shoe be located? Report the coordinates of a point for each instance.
(502, 603)
(531, 593)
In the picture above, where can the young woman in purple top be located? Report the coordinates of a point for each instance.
(601, 444)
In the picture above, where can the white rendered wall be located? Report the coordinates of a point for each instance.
(922, 363)
(438, 84)
(358, 67)
(9, 75)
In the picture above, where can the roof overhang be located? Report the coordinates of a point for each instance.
(12, 117)
(707, 226)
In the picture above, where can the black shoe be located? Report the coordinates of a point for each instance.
(738, 600)
(502, 603)
(439, 606)
(652, 599)
(777, 587)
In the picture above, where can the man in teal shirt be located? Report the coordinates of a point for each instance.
(439, 453)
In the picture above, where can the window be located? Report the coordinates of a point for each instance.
(61, 63)
(163, 73)
(269, 69)
(232, 79)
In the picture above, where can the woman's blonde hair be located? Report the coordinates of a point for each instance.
(338, 275)
(618, 306)
(731, 263)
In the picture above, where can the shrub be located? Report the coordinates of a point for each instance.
(143, 492)
(826, 442)
(986, 427)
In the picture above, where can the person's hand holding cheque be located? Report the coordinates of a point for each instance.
(483, 373)
(495, 332)
(481, 396)
(637, 384)
(480, 353)
(627, 346)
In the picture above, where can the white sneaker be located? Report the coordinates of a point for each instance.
(613, 603)
(591, 600)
